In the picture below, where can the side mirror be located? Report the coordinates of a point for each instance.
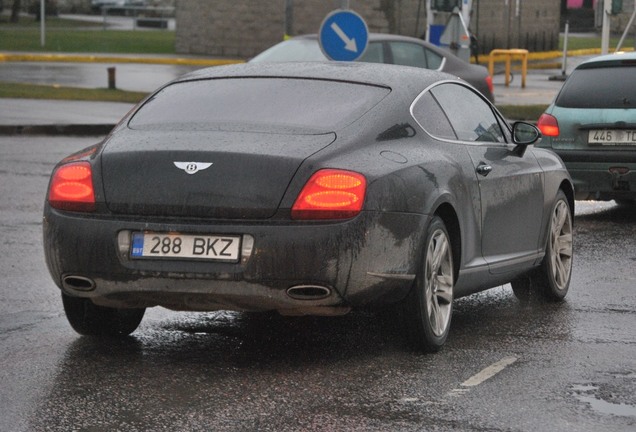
(524, 133)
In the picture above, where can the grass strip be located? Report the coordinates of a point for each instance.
(62, 40)
(114, 58)
(590, 42)
(529, 113)
(35, 91)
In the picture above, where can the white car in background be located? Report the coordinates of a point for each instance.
(97, 5)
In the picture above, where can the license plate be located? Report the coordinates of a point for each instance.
(611, 137)
(185, 246)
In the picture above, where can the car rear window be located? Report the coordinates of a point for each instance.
(257, 104)
(607, 87)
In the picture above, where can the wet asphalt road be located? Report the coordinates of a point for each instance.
(540, 88)
(565, 367)
(148, 77)
(130, 77)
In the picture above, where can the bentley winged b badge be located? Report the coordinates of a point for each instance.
(192, 167)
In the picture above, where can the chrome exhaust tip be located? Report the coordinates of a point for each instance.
(308, 292)
(78, 283)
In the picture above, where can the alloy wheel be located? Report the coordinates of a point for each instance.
(439, 282)
(561, 245)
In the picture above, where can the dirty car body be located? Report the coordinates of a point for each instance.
(306, 188)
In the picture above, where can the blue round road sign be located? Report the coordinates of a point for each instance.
(343, 36)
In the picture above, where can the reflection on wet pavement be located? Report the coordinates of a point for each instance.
(587, 394)
(132, 77)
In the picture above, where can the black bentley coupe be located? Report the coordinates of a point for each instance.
(307, 189)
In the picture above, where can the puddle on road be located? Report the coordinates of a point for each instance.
(585, 394)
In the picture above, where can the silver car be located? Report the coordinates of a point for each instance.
(389, 49)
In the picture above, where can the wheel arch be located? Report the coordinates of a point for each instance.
(568, 190)
(449, 216)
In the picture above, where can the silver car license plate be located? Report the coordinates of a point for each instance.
(185, 246)
(612, 137)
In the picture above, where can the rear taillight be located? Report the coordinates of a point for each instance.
(72, 188)
(331, 194)
(548, 125)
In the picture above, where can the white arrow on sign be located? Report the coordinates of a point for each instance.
(350, 44)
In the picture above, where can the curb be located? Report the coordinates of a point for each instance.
(550, 55)
(82, 58)
(59, 129)
(87, 58)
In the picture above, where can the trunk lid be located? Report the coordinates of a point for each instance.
(211, 174)
(579, 125)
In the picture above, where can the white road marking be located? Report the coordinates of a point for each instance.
(489, 372)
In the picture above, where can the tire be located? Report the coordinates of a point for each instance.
(551, 281)
(88, 319)
(429, 306)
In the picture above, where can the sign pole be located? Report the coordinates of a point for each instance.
(289, 19)
(605, 32)
(627, 27)
(429, 20)
(42, 24)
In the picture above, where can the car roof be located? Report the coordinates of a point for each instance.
(391, 76)
(380, 37)
(449, 57)
(372, 37)
(616, 59)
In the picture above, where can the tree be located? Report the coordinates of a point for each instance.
(388, 7)
(35, 8)
(15, 10)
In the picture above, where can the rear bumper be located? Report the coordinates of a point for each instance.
(366, 260)
(603, 175)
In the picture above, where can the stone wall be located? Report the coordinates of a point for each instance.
(243, 28)
(533, 25)
(619, 22)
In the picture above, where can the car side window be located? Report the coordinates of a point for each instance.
(471, 117)
(433, 60)
(373, 54)
(427, 112)
(408, 54)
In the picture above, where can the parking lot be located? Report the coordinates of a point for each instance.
(508, 366)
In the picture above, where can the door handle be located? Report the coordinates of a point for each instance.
(483, 169)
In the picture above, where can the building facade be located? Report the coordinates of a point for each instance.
(530, 24)
(243, 28)
(587, 15)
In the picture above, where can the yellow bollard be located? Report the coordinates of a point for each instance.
(509, 54)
